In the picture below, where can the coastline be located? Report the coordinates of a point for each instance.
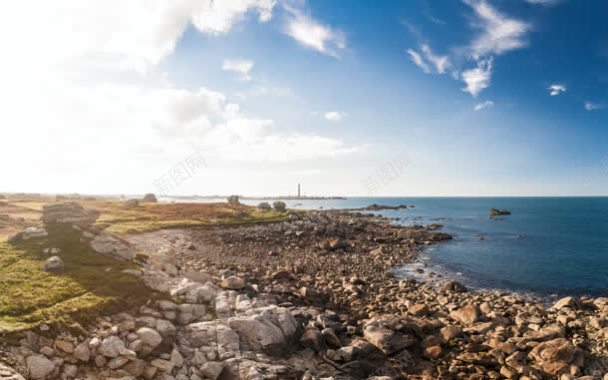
(319, 286)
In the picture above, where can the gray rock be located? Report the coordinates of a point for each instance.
(150, 198)
(212, 370)
(39, 366)
(82, 352)
(54, 264)
(149, 337)
(112, 347)
(114, 246)
(131, 203)
(28, 233)
(69, 213)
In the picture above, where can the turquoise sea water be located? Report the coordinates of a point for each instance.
(548, 245)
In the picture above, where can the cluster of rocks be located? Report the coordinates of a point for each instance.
(314, 298)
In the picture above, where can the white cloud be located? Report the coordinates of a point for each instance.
(556, 89)
(484, 105)
(334, 115)
(314, 35)
(241, 66)
(543, 2)
(107, 116)
(499, 33)
(217, 17)
(418, 60)
(589, 106)
(428, 59)
(478, 78)
(142, 33)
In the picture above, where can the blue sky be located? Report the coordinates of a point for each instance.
(483, 97)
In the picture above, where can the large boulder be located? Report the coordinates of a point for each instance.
(114, 246)
(150, 198)
(554, 356)
(69, 213)
(270, 329)
(39, 366)
(233, 200)
(130, 203)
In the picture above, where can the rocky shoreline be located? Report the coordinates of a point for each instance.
(311, 298)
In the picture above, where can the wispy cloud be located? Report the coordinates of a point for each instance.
(484, 105)
(589, 106)
(418, 60)
(556, 89)
(334, 115)
(478, 78)
(428, 58)
(499, 33)
(240, 66)
(314, 35)
(542, 2)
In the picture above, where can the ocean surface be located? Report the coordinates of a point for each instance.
(549, 245)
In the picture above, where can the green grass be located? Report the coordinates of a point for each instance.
(30, 296)
(155, 216)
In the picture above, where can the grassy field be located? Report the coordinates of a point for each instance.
(91, 284)
(154, 216)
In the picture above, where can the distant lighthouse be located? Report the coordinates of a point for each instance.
(298, 191)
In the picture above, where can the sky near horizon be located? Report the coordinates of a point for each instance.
(413, 97)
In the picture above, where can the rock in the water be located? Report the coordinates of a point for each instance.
(130, 203)
(39, 366)
(150, 198)
(496, 212)
(54, 264)
(69, 213)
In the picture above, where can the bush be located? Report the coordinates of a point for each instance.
(264, 206)
(279, 206)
